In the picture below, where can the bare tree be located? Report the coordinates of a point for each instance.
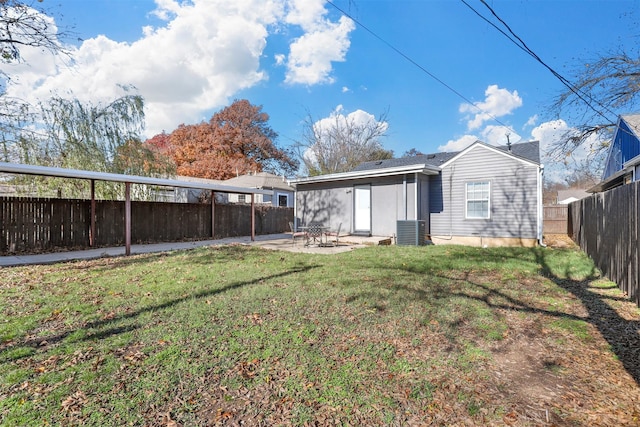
(21, 26)
(341, 142)
(412, 153)
(604, 88)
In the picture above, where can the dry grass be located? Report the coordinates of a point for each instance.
(378, 336)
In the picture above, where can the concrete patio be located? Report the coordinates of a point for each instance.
(282, 242)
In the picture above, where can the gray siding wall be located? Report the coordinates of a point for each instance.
(513, 197)
(329, 204)
(332, 203)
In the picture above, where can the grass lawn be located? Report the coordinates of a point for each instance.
(386, 335)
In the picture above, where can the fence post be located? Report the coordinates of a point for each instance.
(127, 218)
(213, 214)
(92, 231)
(253, 218)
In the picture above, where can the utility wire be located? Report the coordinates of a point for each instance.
(523, 46)
(423, 69)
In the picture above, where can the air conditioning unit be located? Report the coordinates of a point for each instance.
(411, 233)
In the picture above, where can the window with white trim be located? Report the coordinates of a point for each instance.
(477, 199)
(283, 200)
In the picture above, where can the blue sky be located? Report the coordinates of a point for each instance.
(304, 57)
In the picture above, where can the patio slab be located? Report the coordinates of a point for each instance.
(281, 242)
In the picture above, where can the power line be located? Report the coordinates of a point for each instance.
(523, 46)
(423, 69)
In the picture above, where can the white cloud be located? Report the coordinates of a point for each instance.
(207, 51)
(340, 119)
(498, 102)
(345, 89)
(558, 166)
(312, 55)
(280, 59)
(308, 14)
(458, 144)
(533, 120)
(497, 135)
(492, 135)
(166, 9)
(549, 133)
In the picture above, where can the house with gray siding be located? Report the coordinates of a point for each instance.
(282, 192)
(483, 195)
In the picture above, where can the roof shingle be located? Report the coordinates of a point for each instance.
(526, 150)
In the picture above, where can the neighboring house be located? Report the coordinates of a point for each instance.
(283, 193)
(567, 196)
(483, 195)
(623, 159)
(184, 195)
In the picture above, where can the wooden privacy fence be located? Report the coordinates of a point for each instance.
(605, 226)
(39, 224)
(555, 219)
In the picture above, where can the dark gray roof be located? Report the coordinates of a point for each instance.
(429, 159)
(526, 150)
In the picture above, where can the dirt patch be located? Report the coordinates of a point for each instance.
(525, 374)
(554, 377)
(560, 241)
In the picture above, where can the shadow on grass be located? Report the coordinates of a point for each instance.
(197, 255)
(623, 336)
(46, 341)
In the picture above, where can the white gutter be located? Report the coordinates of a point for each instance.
(370, 173)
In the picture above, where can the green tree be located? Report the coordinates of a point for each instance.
(103, 138)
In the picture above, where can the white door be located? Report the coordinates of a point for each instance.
(362, 208)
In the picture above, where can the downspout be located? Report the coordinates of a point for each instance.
(404, 195)
(540, 207)
(453, 169)
(295, 210)
(415, 199)
(447, 204)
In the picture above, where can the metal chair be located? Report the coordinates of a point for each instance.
(335, 234)
(295, 233)
(314, 232)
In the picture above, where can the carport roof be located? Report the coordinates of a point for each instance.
(17, 168)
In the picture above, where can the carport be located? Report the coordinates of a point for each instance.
(92, 176)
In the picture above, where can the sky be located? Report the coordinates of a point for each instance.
(441, 75)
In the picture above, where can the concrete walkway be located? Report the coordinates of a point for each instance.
(271, 241)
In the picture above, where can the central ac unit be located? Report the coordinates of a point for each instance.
(411, 233)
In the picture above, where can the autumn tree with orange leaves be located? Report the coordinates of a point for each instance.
(237, 140)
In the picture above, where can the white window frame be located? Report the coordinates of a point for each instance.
(277, 199)
(479, 198)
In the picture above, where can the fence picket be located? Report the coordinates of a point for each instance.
(605, 226)
(36, 224)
